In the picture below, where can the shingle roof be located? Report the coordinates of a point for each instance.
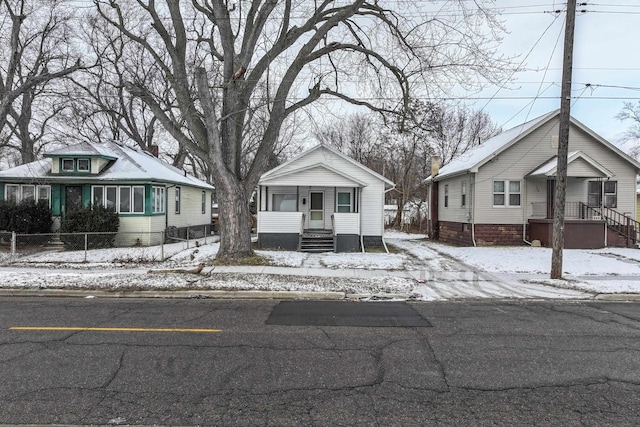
(130, 165)
(492, 146)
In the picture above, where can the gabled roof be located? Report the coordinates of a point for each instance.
(351, 180)
(549, 168)
(473, 159)
(129, 165)
(278, 171)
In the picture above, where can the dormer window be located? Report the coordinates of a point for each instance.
(83, 165)
(67, 165)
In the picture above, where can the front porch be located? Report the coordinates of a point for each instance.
(585, 227)
(286, 230)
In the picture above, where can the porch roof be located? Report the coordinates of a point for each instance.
(318, 174)
(578, 165)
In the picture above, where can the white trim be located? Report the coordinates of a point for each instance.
(274, 171)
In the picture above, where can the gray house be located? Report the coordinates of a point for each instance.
(321, 200)
(502, 192)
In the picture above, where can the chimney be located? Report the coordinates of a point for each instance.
(435, 165)
(154, 150)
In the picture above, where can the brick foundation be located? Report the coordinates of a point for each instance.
(459, 233)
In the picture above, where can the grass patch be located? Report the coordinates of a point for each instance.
(380, 249)
(254, 259)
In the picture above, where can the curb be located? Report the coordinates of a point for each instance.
(617, 297)
(204, 294)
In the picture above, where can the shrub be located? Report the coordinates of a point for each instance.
(26, 217)
(90, 220)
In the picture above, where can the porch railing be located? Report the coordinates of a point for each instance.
(572, 210)
(624, 225)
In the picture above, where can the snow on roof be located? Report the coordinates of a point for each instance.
(129, 165)
(82, 148)
(490, 147)
(549, 167)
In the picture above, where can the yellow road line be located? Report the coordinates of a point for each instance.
(64, 328)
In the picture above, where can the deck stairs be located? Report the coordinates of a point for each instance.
(317, 241)
(624, 225)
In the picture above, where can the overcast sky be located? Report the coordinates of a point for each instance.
(605, 54)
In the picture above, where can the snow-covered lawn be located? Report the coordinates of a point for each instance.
(419, 269)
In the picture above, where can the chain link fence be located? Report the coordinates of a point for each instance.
(101, 247)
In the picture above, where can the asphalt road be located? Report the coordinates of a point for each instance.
(504, 363)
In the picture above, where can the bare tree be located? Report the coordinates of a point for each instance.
(631, 112)
(356, 135)
(226, 60)
(452, 131)
(35, 52)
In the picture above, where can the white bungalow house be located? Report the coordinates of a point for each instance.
(321, 200)
(502, 192)
(148, 194)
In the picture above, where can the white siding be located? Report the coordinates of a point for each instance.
(190, 207)
(279, 222)
(313, 175)
(346, 223)
(372, 207)
(97, 164)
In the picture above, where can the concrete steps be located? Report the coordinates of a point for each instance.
(317, 241)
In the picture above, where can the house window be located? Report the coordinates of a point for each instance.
(28, 192)
(446, 195)
(594, 196)
(464, 193)
(344, 202)
(44, 194)
(83, 165)
(12, 193)
(138, 199)
(67, 165)
(283, 202)
(97, 196)
(177, 200)
(111, 199)
(610, 194)
(16, 193)
(120, 199)
(125, 200)
(157, 199)
(506, 194)
(204, 202)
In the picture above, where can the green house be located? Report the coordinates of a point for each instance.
(149, 194)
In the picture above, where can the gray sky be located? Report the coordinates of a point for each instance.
(605, 56)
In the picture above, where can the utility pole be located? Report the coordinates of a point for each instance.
(563, 144)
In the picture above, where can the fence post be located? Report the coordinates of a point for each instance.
(86, 240)
(187, 237)
(13, 243)
(162, 246)
(206, 231)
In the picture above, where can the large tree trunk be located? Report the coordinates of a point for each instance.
(235, 222)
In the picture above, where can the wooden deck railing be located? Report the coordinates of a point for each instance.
(624, 225)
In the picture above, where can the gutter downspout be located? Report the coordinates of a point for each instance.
(473, 212)
(524, 215)
(383, 242)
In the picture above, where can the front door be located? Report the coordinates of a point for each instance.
(73, 198)
(551, 197)
(316, 209)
